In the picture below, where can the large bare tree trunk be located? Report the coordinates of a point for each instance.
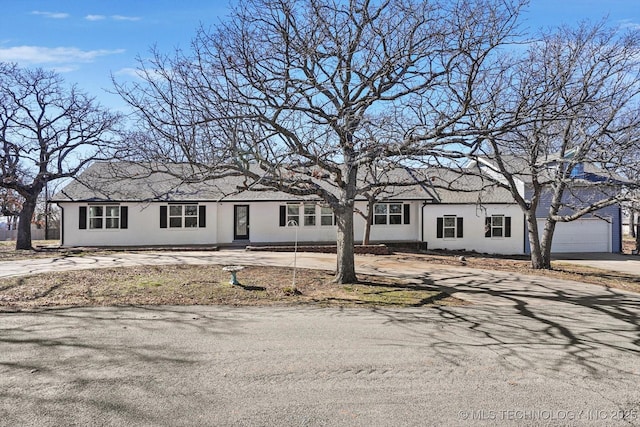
(368, 220)
(632, 223)
(540, 259)
(545, 244)
(345, 269)
(23, 240)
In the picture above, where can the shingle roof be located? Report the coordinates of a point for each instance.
(124, 181)
(121, 181)
(455, 187)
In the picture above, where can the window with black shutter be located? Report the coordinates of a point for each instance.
(497, 226)
(178, 215)
(449, 227)
(82, 217)
(391, 214)
(103, 217)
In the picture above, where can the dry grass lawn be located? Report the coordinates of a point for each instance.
(186, 285)
(194, 285)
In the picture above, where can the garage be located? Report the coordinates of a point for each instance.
(582, 235)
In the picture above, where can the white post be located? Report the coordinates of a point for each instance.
(294, 223)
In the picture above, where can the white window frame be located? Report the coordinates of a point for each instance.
(107, 216)
(500, 227)
(309, 215)
(293, 213)
(112, 217)
(383, 215)
(179, 217)
(446, 227)
(327, 213)
(96, 216)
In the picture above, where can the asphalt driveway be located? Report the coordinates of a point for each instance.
(623, 263)
(528, 350)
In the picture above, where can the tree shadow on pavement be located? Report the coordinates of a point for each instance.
(532, 322)
(94, 361)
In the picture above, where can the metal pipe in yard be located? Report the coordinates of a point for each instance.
(294, 223)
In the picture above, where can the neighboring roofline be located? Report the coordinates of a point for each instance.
(578, 180)
(494, 167)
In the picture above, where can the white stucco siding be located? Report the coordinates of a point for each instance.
(474, 228)
(143, 228)
(264, 225)
(390, 232)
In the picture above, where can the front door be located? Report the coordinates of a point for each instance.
(241, 222)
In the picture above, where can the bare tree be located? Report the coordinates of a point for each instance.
(10, 207)
(629, 168)
(48, 131)
(564, 122)
(299, 96)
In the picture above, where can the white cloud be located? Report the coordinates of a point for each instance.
(125, 18)
(53, 15)
(52, 55)
(95, 17)
(64, 69)
(627, 23)
(139, 74)
(131, 72)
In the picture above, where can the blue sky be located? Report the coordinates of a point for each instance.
(87, 41)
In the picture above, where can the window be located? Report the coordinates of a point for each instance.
(395, 213)
(308, 212)
(293, 214)
(326, 216)
(497, 226)
(309, 215)
(96, 214)
(100, 217)
(380, 214)
(183, 216)
(290, 214)
(449, 227)
(391, 213)
(112, 216)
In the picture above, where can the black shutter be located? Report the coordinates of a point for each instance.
(459, 227)
(439, 226)
(507, 226)
(407, 213)
(487, 226)
(82, 217)
(124, 217)
(163, 217)
(202, 216)
(283, 216)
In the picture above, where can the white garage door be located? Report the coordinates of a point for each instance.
(582, 235)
